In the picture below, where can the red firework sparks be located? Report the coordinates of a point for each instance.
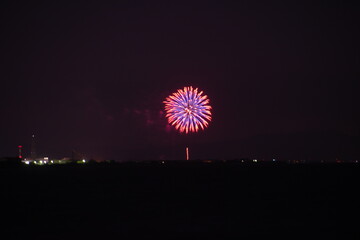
(188, 110)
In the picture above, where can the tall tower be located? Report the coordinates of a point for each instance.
(33, 151)
(20, 154)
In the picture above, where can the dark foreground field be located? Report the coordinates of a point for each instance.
(187, 200)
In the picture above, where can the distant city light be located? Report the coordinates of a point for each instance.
(255, 160)
(84, 160)
(27, 162)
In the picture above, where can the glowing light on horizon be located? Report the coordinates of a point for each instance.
(188, 110)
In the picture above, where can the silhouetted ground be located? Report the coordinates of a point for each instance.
(181, 199)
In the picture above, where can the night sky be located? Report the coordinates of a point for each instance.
(91, 77)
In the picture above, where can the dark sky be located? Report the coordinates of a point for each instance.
(91, 76)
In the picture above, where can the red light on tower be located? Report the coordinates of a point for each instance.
(19, 147)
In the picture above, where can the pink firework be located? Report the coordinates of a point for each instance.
(188, 110)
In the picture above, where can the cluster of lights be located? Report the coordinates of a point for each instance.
(45, 161)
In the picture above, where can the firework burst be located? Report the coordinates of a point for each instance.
(188, 110)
